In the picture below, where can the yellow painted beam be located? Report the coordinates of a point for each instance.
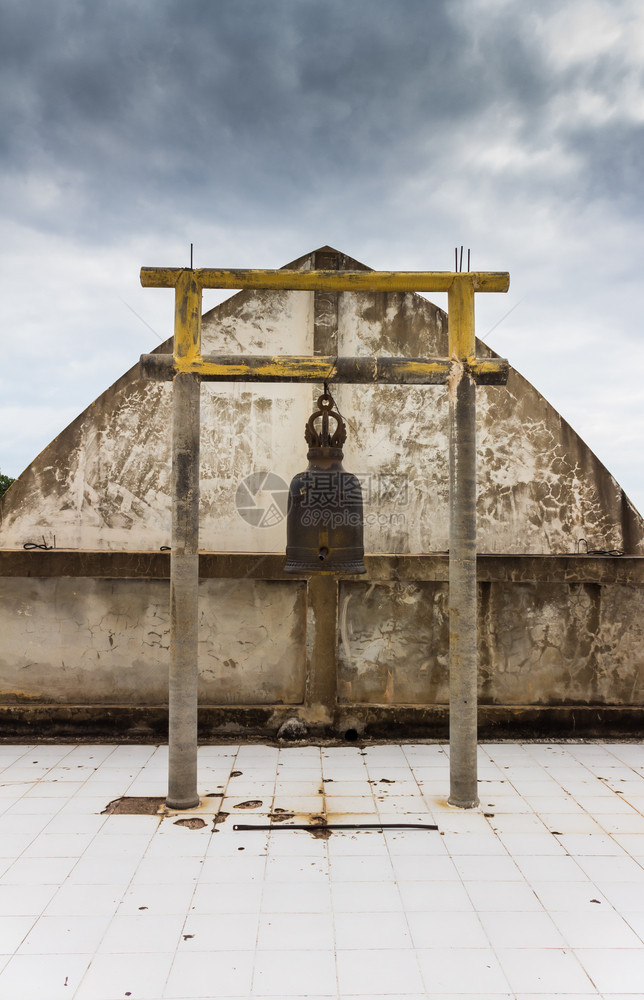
(337, 281)
(460, 319)
(347, 370)
(187, 320)
(318, 369)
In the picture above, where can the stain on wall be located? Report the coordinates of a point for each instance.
(393, 640)
(252, 642)
(95, 641)
(540, 643)
(537, 643)
(619, 648)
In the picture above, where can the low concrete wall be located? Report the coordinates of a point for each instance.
(540, 643)
(84, 648)
(99, 641)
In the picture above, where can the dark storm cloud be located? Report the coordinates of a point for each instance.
(261, 128)
(116, 114)
(614, 154)
(156, 105)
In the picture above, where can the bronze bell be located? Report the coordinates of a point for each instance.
(324, 522)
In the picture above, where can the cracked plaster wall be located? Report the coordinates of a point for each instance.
(540, 488)
(103, 483)
(102, 641)
(539, 644)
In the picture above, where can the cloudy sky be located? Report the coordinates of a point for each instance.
(261, 129)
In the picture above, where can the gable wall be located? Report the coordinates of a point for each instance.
(103, 483)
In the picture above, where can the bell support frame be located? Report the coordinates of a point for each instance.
(461, 371)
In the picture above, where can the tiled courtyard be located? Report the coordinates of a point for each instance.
(539, 893)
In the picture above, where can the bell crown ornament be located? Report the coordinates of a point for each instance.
(323, 438)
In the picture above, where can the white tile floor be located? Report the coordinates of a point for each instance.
(537, 894)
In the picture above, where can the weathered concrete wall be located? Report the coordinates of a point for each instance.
(96, 641)
(393, 643)
(104, 482)
(540, 643)
(540, 488)
(332, 652)
(556, 635)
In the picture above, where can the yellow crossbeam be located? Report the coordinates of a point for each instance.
(334, 281)
(350, 370)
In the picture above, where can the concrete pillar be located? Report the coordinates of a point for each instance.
(184, 560)
(463, 660)
(322, 589)
(184, 588)
(322, 647)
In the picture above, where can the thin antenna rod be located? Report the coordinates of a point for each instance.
(468, 258)
(456, 258)
(461, 263)
(191, 246)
